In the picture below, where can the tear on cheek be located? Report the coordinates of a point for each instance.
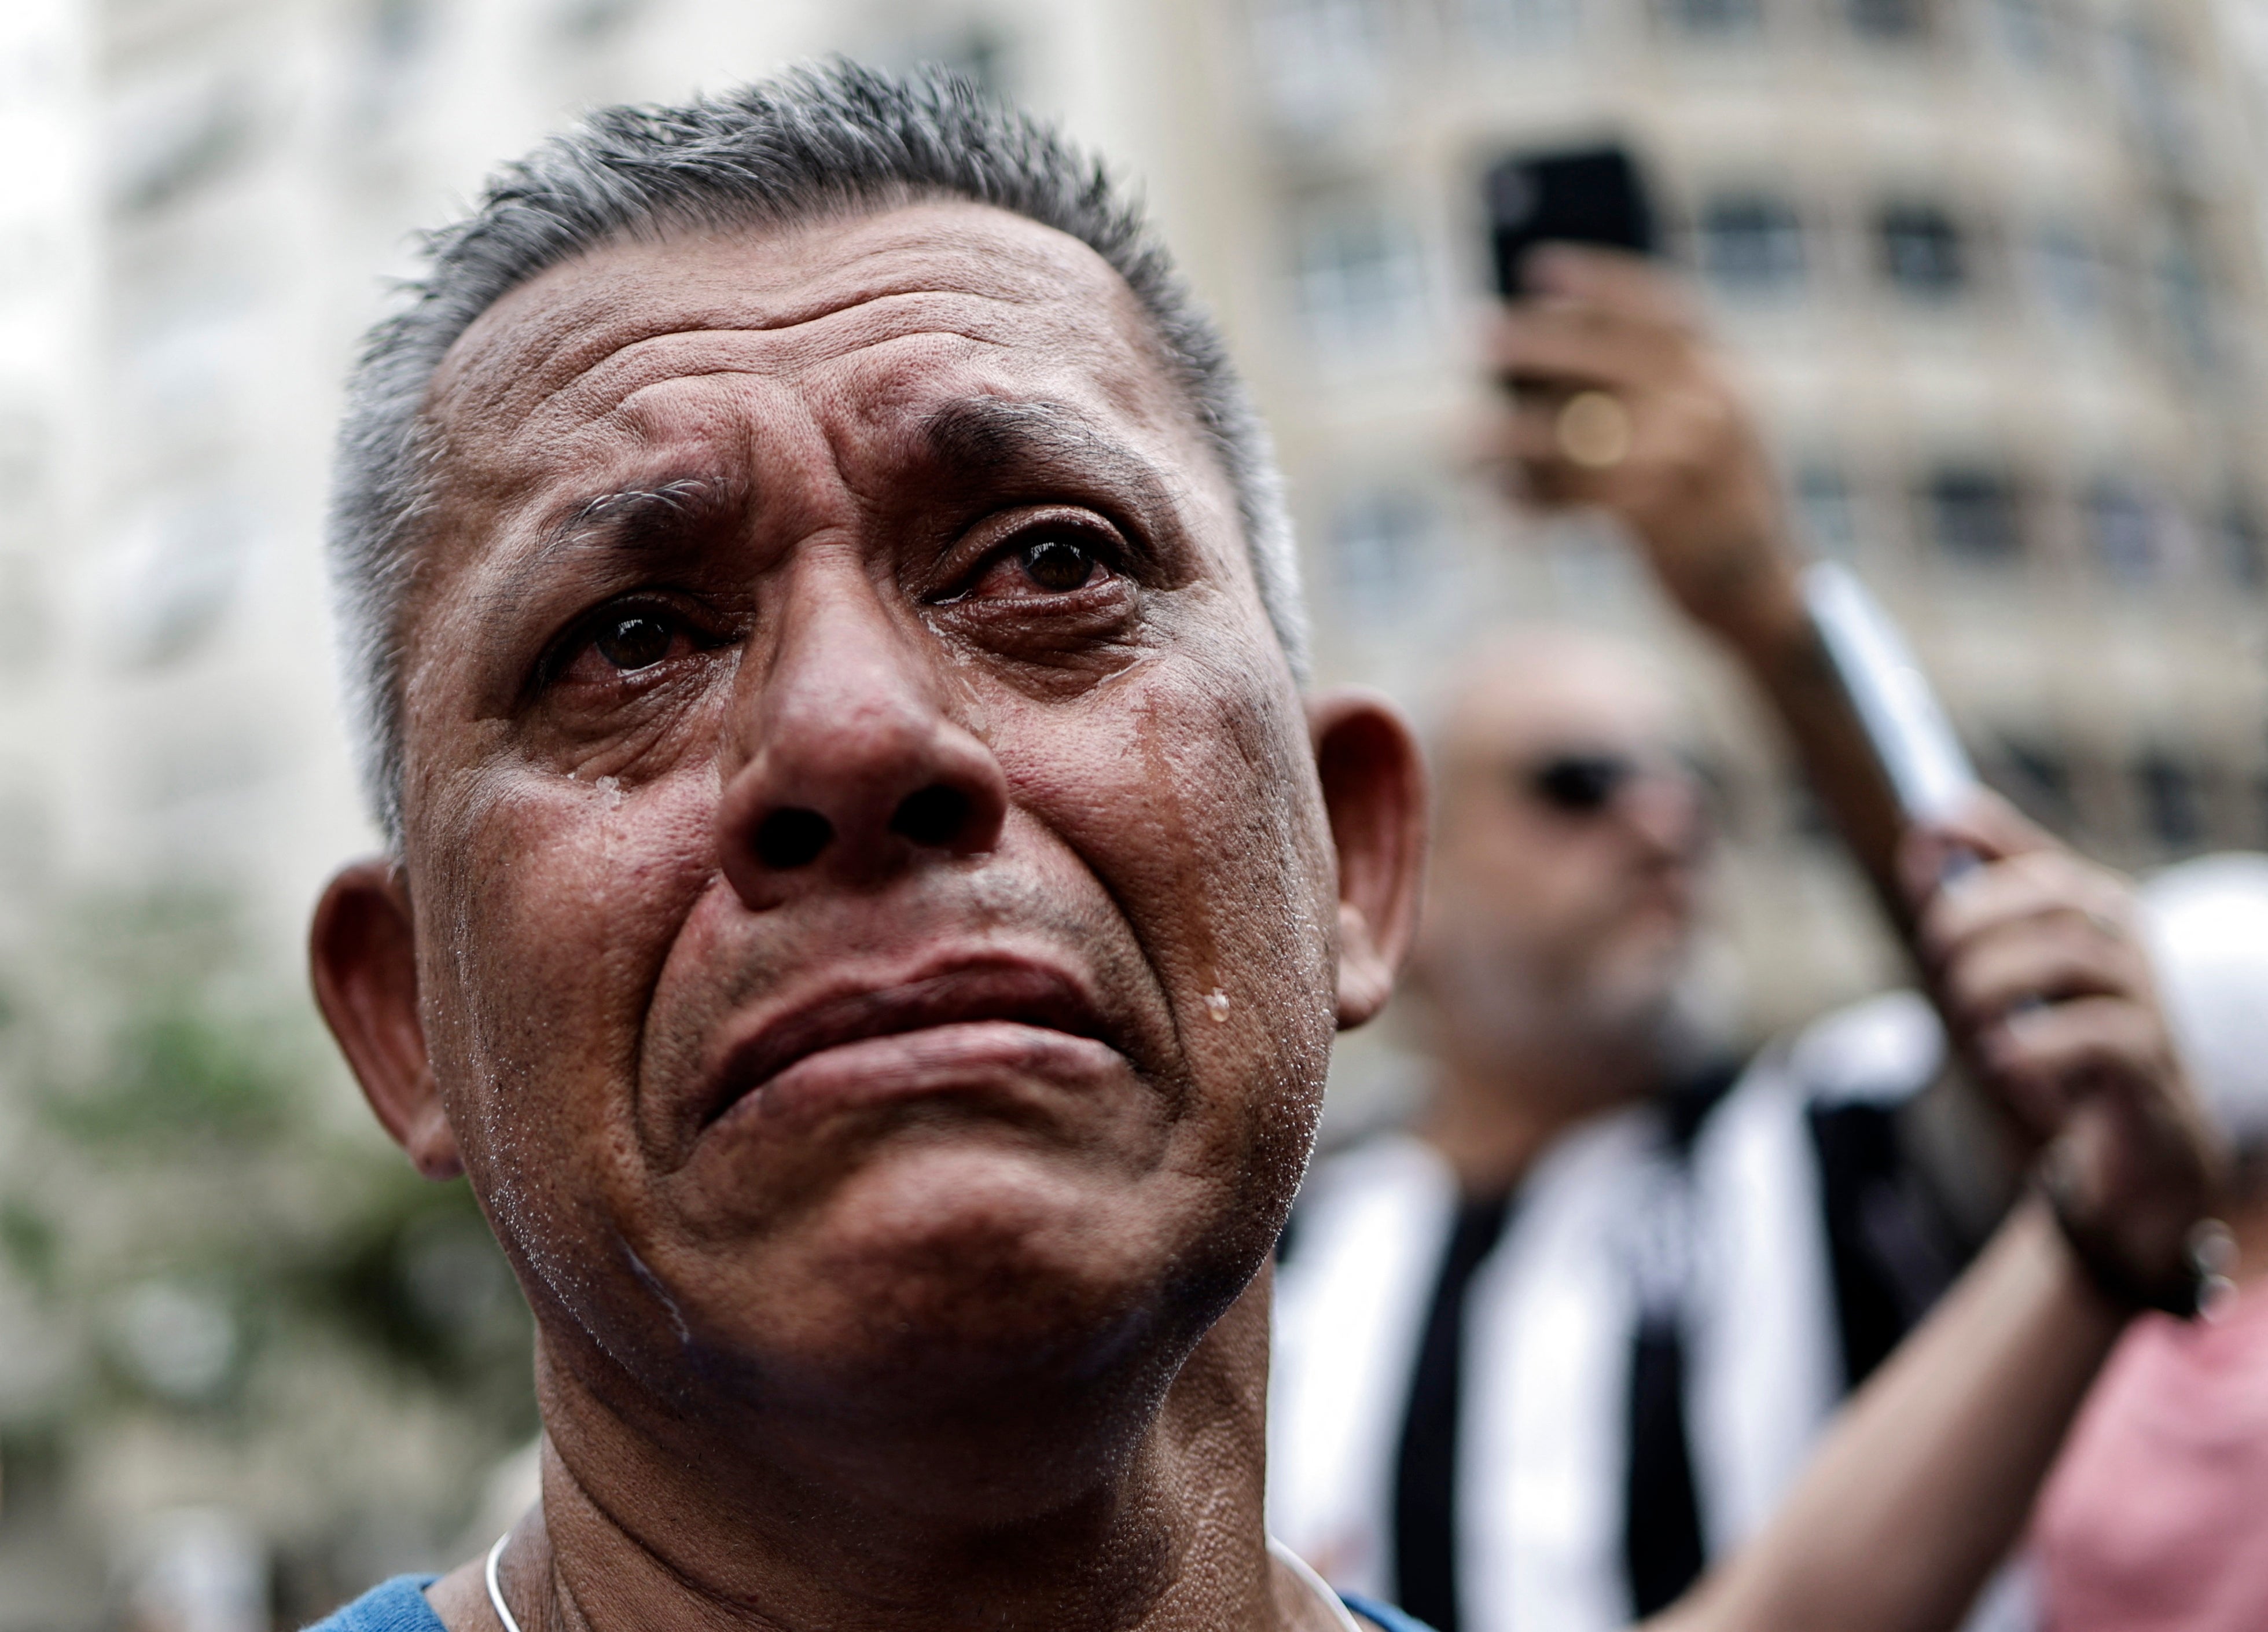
(652, 1284)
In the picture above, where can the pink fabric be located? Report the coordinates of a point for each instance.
(2156, 1518)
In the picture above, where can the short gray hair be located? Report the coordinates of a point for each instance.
(815, 142)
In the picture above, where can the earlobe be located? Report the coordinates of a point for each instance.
(1374, 782)
(363, 953)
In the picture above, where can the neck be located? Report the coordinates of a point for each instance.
(1165, 1534)
(1491, 1117)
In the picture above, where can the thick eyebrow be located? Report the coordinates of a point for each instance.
(628, 521)
(635, 517)
(983, 438)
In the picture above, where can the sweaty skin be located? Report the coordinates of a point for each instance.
(876, 1150)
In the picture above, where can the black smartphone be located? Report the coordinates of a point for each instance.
(1593, 195)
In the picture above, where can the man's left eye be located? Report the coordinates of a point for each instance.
(1042, 565)
(1057, 565)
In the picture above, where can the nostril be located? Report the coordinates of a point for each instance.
(934, 816)
(792, 838)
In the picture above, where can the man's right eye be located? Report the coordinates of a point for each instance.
(635, 639)
(622, 642)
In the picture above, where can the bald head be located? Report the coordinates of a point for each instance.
(1560, 910)
(1547, 683)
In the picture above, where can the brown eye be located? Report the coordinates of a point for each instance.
(1057, 565)
(635, 639)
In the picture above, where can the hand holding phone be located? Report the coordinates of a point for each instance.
(1592, 195)
(1690, 478)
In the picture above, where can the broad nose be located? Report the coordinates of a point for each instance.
(855, 769)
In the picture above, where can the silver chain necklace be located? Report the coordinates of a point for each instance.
(1340, 1615)
(496, 1593)
(1333, 1605)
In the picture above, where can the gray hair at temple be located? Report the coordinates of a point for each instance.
(811, 143)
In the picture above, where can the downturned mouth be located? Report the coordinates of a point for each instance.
(1024, 993)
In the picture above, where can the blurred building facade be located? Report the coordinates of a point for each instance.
(224, 188)
(1990, 268)
(246, 1367)
(1994, 269)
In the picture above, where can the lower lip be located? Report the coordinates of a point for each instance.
(935, 1060)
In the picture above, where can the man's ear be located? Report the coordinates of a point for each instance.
(364, 953)
(1374, 782)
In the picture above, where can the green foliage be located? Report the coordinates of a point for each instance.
(174, 1076)
(224, 1253)
(28, 1238)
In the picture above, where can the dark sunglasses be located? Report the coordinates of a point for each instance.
(1577, 785)
(1584, 783)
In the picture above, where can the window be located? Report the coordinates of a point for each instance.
(1523, 24)
(1383, 543)
(1889, 20)
(2154, 81)
(1362, 285)
(401, 29)
(2173, 807)
(175, 572)
(1923, 253)
(392, 59)
(2122, 525)
(1974, 515)
(592, 21)
(2037, 778)
(2188, 301)
(1715, 18)
(2028, 31)
(1751, 244)
(187, 360)
(171, 141)
(1824, 511)
(1317, 57)
(2243, 552)
(2073, 284)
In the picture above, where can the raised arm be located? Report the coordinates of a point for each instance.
(2033, 960)
(1620, 402)
(1927, 1477)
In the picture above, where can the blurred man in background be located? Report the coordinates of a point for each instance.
(1546, 1352)
(1569, 1335)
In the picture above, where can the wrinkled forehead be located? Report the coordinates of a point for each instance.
(865, 319)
